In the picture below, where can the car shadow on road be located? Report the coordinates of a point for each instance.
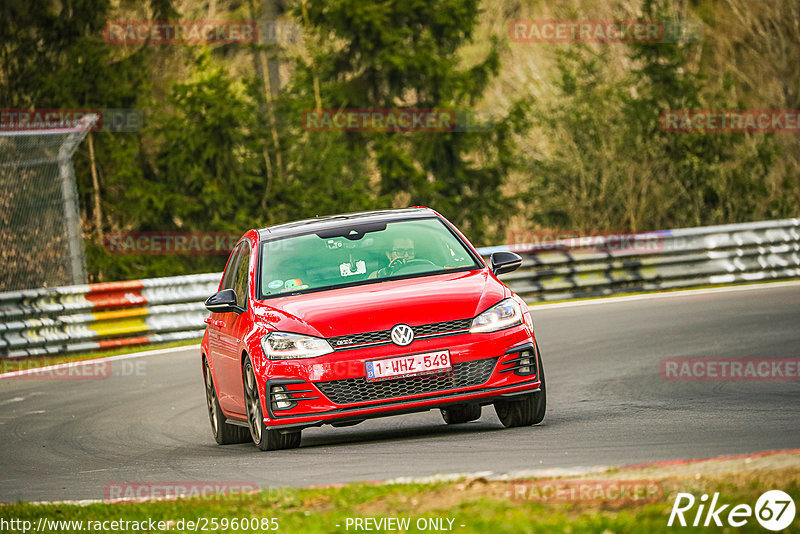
(377, 431)
(326, 436)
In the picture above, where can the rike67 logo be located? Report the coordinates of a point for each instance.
(774, 510)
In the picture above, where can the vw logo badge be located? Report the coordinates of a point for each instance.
(402, 335)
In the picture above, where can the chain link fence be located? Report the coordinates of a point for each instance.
(40, 232)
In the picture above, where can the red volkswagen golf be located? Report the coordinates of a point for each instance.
(338, 319)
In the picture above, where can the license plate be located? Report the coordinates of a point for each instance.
(404, 366)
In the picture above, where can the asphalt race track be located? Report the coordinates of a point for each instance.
(607, 405)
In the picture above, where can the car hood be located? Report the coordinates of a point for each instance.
(380, 306)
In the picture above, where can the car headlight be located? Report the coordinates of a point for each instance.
(288, 346)
(504, 314)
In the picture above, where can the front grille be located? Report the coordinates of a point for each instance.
(438, 328)
(357, 339)
(384, 336)
(463, 374)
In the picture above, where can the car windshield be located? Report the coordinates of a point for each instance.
(360, 253)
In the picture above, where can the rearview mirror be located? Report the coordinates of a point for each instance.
(505, 262)
(223, 302)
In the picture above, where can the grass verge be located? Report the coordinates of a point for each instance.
(465, 505)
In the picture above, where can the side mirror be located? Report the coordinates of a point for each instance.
(505, 262)
(223, 302)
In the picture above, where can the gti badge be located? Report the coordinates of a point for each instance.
(402, 335)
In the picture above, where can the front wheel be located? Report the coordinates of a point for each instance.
(224, 434)
(264, 438)
(527, 411)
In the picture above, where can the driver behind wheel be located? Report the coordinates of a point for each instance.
(402, 250)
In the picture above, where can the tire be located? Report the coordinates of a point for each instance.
(456, 415)
(224, 433)
(527, 411)
(264, 438)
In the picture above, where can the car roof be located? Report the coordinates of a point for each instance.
(306, 226)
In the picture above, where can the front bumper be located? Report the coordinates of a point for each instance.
(333, 389)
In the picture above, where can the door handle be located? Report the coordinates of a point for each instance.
(220, 324)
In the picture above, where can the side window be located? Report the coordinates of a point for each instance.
(227, 277)
(242, 275)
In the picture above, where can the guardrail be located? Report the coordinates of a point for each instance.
(669, 259)
(87, 317)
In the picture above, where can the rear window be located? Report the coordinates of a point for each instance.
(360, 253)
